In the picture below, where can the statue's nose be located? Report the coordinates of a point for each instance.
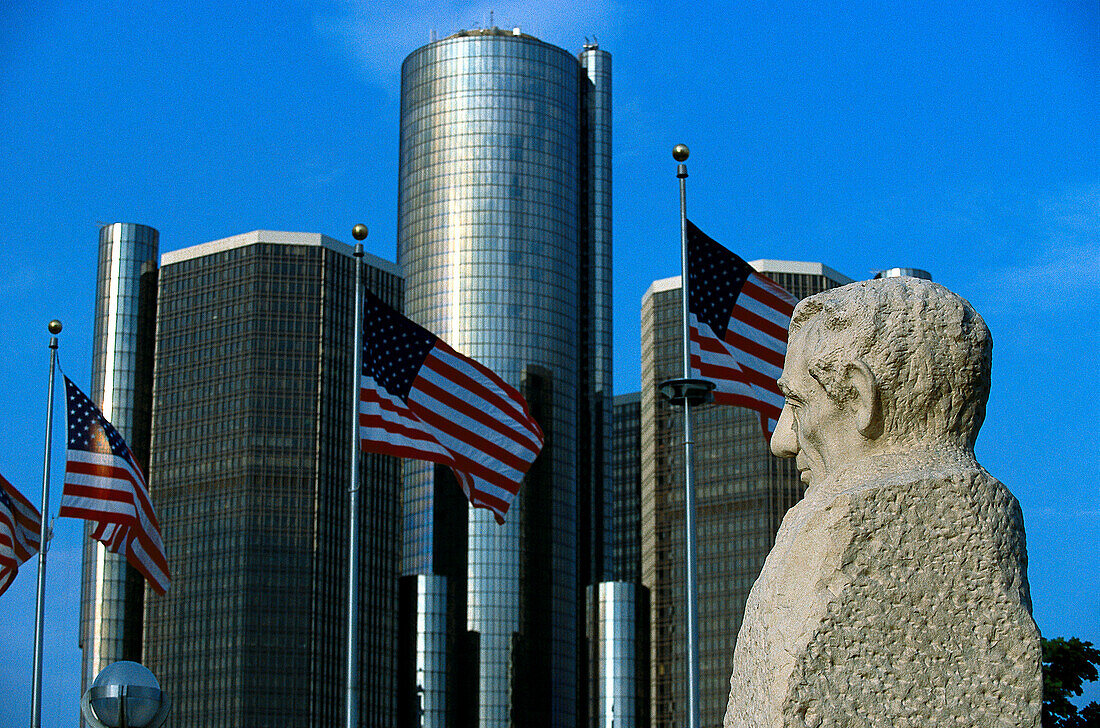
(784, 443)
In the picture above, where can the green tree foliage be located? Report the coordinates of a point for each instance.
(1067, 664)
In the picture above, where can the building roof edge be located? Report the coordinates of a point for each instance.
(799, 266)
(275, 237)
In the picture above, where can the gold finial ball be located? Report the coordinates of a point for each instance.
(680, 152)
(359, 232)
(54, 327)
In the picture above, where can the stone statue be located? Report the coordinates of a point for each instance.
(896, 594)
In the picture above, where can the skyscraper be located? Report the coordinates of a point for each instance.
(504, 236)
(742, 493)
(624, 497)
(252, 429)
(122, 380)
(618, 605)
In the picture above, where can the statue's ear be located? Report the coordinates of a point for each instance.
(867, 404)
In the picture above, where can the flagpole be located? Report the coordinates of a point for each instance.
(686, 392)
(43, 543)
(359, 232)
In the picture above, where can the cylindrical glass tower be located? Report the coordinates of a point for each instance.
(596, 313)
(504, 237)
(112, 593)
(618, 627)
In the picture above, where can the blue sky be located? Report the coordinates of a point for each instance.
(962, 138)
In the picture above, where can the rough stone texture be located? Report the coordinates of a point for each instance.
(896, 593)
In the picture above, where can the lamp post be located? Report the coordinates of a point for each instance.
(351, 708)
(54, 327)
(125, 695)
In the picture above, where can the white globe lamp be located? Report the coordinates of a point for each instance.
(125, 695)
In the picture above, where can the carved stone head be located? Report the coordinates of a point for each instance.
(890, 364)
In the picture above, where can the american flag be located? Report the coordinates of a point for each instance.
(738, 321)
(20, 527)
(419, 398)
(104, 484)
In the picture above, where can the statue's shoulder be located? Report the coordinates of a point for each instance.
(932, 590)
(927, 491)
(949, 518)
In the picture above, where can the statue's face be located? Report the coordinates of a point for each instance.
(812, 428)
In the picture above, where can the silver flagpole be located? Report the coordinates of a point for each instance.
(43, 545)
(359, 232)
(686, 392)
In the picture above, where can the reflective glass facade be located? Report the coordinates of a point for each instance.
(623, 530)
(742, 493)
(122, 374)
(595, 282)
(252, 428)
(618, 606)
(423, 665)
(504, 235)
(617, 636)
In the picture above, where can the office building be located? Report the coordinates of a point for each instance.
(112, 592)
(618, 606)
(623, 535)
(742, 493)
(504, 236)
(252, 415)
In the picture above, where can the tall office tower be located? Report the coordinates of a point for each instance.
(618, 606)
(122, 382)
(252, 429)
(742, 493)
(504, 235)
(625, 495)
